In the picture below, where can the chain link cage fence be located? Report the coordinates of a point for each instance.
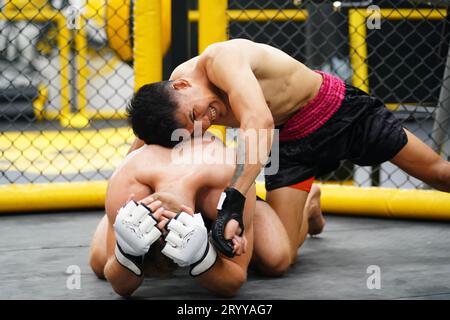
(67, 75)
(395, 50)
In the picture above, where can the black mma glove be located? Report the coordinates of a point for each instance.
(231, 206)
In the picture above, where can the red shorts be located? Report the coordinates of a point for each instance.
(304, 185)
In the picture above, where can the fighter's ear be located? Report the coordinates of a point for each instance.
(181, 84)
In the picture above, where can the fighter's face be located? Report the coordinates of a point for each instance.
(198, 105)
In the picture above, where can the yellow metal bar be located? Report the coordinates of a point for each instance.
(106, 115)
(63, 41)
(147, 49)
(259, 15)
(268, 14)
(405, 14)
(117, 15)
(81, 46)
(212, 26)
(39, 102)
(193, 15)
(89, 114)
(302, 15)
(412, 14)
(24, 5)
(358, 48)
(34, 15)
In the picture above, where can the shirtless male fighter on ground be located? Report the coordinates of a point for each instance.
(253, 86)
(117, 253)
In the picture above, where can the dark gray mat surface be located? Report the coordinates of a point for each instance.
(412, 256)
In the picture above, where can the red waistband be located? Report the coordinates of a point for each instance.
(312, 116)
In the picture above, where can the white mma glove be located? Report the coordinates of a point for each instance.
(136, 230)
(187, 243)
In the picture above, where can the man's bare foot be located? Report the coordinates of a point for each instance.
(316, 221)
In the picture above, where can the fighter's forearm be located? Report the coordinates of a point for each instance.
(253, 149)
(224, 278)
(228, 275)
(244, 176)
(121, 279)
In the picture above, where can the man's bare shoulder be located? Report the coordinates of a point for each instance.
(137, 159)
(218, 48)
(186, 66)
(238, 43)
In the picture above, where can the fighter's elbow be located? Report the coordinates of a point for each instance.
(258, 121)
(123, 291)
(268, 122)
(121, 285)
(230, 288)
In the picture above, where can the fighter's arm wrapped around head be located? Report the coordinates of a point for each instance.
(227, 275)
(230, 70)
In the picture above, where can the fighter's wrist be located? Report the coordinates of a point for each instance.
(232, 199)
(205, 263)
(133, 263)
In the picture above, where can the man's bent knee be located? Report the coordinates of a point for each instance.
(277, 265)
(440, 176)
(444, 173)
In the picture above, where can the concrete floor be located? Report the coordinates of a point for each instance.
(37, 250)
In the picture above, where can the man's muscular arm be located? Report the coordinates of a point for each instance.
(228, 275)
(229, 69)
(121, 279)
(131, 232)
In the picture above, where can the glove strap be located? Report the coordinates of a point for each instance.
(232, 200)
(130, 262)
(205, 263)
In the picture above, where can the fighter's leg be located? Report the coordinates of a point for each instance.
(271, 247)
(420, 161)
(299, 211)
(316, 221)
(98, 253)
(227, 275)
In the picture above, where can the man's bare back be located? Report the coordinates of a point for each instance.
(153, 169)
(286, 83)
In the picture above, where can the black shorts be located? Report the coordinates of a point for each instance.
(362, 130)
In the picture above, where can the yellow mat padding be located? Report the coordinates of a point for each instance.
(378, 202)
